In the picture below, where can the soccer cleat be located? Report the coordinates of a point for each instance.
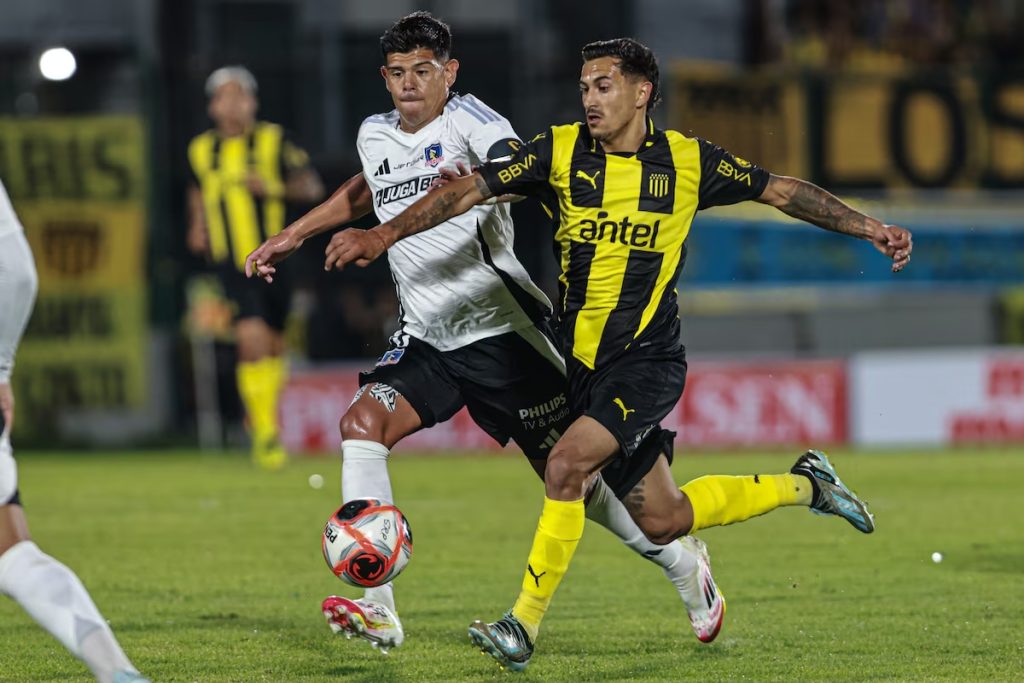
(371, 621)
(269, 454)
(707, 616)
(831, 496)
(505, 639)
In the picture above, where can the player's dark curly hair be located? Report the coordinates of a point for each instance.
(419, 29)
(635, 59)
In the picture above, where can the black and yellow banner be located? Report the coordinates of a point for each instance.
(871, 130)
(78, 186)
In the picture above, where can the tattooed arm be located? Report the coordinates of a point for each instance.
(808, 202)
(364, 246)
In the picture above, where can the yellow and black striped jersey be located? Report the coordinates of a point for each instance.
(622, 225)
(238, 221)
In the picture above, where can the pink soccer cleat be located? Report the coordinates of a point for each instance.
(371, 621)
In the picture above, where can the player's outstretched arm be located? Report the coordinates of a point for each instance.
(447, 175)
(808, 202)
(362, 247)
(350, 202)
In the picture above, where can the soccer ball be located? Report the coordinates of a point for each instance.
(367, 542)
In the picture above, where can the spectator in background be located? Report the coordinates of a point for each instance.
(244, 171)
(887, 34)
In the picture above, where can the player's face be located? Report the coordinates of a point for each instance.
(611, 99)
(232, 106)
(418, 84)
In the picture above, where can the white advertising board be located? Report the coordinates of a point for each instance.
(937, 398)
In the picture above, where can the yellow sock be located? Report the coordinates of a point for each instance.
(558, 532)
(257, 387)
(719, 499)
(275, 370)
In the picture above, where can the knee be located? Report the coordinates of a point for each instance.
(359, 423)
(565, 476)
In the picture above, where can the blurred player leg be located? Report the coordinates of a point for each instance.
(51, 593)
(261, 376)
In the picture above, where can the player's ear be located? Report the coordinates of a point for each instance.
(643, 94)
(451, 69)
(384, 75)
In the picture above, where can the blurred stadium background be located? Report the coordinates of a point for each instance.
(209, 569)
(913, 108)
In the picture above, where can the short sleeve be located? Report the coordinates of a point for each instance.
(525, 172)
(488, 134)
(726, 178)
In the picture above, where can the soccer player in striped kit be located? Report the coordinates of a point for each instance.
(473, 327)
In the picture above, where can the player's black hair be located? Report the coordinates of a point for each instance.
(419, 29)
(635, 59)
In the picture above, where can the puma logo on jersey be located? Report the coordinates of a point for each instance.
(536, 577)
(590, 179)
(622, 406)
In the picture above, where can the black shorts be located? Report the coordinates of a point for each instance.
(512, 384)
(254, 298)
(629, 397)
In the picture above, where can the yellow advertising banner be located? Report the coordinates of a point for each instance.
(78, 186)
(759, 118)
(849, 130)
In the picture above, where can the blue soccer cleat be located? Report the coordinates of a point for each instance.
(831, 496)
(505, 639)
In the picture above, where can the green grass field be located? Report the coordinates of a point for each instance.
(210, 571)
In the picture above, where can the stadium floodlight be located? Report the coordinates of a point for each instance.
(57, 64)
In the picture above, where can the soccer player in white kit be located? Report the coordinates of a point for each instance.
(50, 592)
(473, 325)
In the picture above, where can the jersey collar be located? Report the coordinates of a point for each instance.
(653, 134)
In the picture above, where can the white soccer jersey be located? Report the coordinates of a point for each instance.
(459, 282)
(8, 219)
(18, 284)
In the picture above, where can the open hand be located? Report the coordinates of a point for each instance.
(896, 243)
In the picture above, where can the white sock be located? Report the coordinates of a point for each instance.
(364, 474)
(54, 596)
(678, 563)
(364, 471)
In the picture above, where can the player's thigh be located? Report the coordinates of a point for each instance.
(408, 389)
(586, 447)
(379, 413)
(260, 311)
(255, 339)
(13, 526)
